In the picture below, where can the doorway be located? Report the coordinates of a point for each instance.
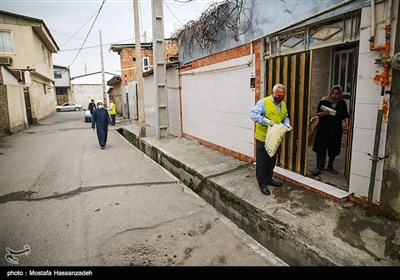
(333, 66)
(308, 77)
(28, 105)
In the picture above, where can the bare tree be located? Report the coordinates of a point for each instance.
(229, 16)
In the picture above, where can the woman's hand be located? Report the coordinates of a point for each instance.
(322, 114)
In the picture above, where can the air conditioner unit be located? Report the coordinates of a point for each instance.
(146, 68)
(6, 60)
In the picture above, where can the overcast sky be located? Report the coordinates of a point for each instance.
(69, 22)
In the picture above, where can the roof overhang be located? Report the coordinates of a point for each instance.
(327, 14)
(40, 28)
(118, 47)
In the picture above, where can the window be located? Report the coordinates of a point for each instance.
(61, 90)
(6, 42)
(343, 69)
(57, 74)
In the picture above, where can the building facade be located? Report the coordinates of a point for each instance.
(62, 82)
(90, 86)
(27, 50)
(320, 45)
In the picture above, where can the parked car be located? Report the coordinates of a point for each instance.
(69, 106)
(88, 116)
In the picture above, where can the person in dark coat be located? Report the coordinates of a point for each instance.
(101, 120)
(331, 111)
(91, 106)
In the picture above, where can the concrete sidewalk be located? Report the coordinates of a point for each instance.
(72, 204)
(300, 227)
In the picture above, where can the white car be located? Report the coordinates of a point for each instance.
(69, 106)
(88, 116)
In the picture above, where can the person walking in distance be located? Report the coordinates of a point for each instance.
(268, 111)
(331, 111)
(91, 106)
(113, 111)
(100, 121)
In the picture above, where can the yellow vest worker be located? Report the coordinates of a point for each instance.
(268, 111)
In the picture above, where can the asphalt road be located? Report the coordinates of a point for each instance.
(74, 204)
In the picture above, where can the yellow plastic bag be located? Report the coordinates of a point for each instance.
(274, 137)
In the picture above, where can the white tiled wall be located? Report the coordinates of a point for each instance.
(368, 99)
(173, 101)
(216, 104)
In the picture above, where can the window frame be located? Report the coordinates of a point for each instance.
(11, 37)
(338, 76)
(56, 76)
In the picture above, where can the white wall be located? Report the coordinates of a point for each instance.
(84, 93)
(149, 101)
(65, 77)
(132, 99)
(216, 104)
(16, 102)
(366, 109)
(43, 97)
(173, 101)
(89, 86)
(124, 101)
(174, 109)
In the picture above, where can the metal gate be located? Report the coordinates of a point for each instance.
(294, 71)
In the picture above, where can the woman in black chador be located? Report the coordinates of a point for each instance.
(331, 110)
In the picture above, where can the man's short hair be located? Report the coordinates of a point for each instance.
(278, 86)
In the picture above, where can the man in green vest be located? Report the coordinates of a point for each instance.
(113, 111)
(268, 111)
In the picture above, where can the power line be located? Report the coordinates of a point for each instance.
(79, 29)
(92, 47)
(71, 36)
(165, 3)
(183, 1)
(102, 4)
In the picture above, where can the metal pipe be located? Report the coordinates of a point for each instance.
(372, 18)
(375, 157)
(384, 81)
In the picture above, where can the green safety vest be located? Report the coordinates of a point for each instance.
(113, 110)
(272, 113)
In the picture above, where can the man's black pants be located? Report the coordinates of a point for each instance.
(264, 165)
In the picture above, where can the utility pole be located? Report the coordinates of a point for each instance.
(144, 37)
(160, 72)
(102, 71)
(139, 75)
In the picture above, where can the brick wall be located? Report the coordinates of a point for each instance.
(128, 63)
(223, 56)
(126, 55)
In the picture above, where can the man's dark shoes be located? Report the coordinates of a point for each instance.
(332, 170)
(274, 183)
(265, 191)
(102, 147)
